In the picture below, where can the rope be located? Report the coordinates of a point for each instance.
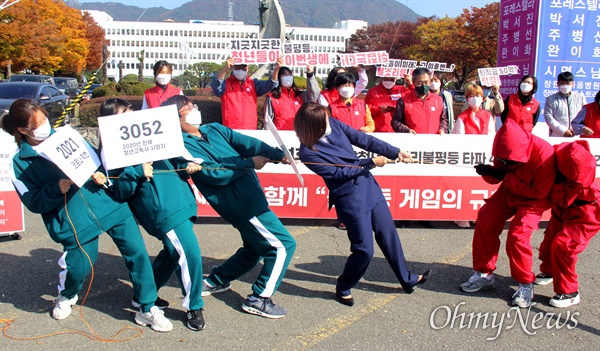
(92, 335)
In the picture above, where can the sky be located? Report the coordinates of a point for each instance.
(426, 8)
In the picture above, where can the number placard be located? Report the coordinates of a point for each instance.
(71, 153)
(142, 136)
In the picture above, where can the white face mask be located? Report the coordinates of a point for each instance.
(163, 79)
(526, 87)
(287, 81)
(565, 89)
(435, 86)
(475, 101)
(388, 84)
(346, 92)
(194, 118)
(42, 132)
(240, 74)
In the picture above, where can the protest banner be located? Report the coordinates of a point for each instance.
(364, 58)
(11, 208)
(443, 185)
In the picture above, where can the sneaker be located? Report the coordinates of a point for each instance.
(341, 226)
(155, 318)
(263, 306)
(463, 224)
(543, 279)
(565, 300)
(195, 320)
(160, 303)
(477, 282)
(523, 296)
(62, 307)
(209, 290)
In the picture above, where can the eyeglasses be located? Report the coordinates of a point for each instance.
(188, 108)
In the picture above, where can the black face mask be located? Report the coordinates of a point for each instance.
(422, 90)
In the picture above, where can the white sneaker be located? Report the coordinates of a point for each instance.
(543, 279)
(62, 306)
(155, 319)
(463, 224)
(565, 300)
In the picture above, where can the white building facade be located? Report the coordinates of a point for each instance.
(184, 44)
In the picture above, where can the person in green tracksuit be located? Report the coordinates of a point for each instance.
(227, 180)
(164, 205)
(75, 217)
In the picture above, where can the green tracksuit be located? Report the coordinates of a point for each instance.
(166, 208)
(230, 185)
(92, 211)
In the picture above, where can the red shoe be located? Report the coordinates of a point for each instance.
(341, 226)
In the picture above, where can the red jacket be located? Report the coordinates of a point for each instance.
(531, 180)
(285, 108)
(423, 116)
(575, 161)
(592, 120)
(471, 127)
(157, 95)
(379, 96)
(238, 104)
(522, 114)
(330, 94)
(353, 115)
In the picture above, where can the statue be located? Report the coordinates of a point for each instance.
(263, 13)
(271, 26)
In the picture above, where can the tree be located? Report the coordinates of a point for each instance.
(43, 35)
(199, 74)
(469, 41)
(96, 39)
(141, 65)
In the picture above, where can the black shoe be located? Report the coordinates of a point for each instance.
(344, 300)
(423, 280)
(195, 320)
(160, 303)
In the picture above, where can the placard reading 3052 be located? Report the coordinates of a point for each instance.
(135, 131)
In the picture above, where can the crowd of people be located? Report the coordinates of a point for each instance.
(533, 177)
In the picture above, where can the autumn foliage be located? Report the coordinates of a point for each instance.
(469, 41)
(49, 36)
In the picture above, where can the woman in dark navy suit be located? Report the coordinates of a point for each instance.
(326, 149)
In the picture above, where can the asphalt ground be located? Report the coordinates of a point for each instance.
(437, 316)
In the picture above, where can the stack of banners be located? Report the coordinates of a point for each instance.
(442, 186)
(11, 209)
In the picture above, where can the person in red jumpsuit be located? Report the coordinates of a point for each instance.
(382, 100)
(575, 220)
(524, 165)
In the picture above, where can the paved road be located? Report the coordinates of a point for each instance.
(383, 318)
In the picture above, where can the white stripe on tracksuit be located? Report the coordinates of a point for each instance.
(62, 263)
(183, 265)
(280, 258)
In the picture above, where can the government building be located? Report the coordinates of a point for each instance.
(184, 44)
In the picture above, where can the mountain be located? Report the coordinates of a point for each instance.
(298, 13)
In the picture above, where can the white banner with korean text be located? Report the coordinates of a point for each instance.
(11, 209)
(142, 136)
(442, 186)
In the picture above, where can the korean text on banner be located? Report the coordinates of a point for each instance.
(141, 136)
(11, 209)
(71, 153)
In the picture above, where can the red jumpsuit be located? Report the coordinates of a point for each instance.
(575, 215)
(524, 193)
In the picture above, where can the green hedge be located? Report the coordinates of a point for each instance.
(123, 88)
(209, 106)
